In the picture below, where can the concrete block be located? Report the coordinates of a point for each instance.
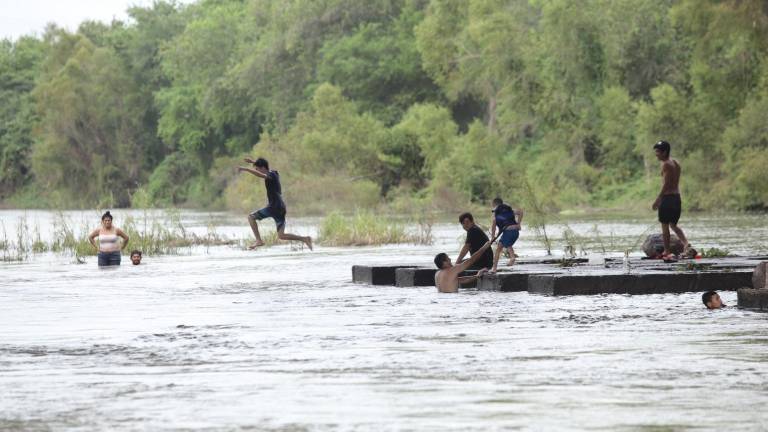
(506, 282)
(723, 281)
(375, 275)
(760, 276)
(749, 298)
(583, 284)
(411, 277)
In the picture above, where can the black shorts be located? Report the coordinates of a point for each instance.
(669, 209)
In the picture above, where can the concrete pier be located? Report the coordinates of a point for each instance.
(748, 298)
(558, 276)
(756, 296)
(636, 283)
(375, 275)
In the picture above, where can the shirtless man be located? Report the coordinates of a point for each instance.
(447, 279)
(668, 202)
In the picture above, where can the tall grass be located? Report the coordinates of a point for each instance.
(153, 236)
(366, 228)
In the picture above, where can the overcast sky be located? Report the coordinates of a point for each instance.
(24, 17)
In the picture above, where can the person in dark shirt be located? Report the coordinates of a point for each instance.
(476, 238)
(508, 221)
(275, 205)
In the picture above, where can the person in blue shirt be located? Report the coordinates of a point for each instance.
(275, 208)
(508, 221)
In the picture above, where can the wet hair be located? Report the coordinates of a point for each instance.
(466, 215)
(707, 296)
(663, 146)
(440, 259)
(135, 252)
(498, 201)
(107, 215)
(261, 163)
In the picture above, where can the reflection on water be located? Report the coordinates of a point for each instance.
(282, 340)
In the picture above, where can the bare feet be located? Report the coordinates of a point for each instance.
(256, 244)
(308, 241)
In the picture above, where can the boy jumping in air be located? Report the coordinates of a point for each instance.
(275, 207)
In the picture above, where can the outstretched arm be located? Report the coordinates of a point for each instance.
(480, 273)
(252, 171)
(465, 265)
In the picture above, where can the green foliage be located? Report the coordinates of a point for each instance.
(360, 103)
(365, 228)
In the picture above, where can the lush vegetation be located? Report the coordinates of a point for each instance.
(409, 103)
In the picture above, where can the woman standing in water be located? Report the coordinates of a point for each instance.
(109, 248)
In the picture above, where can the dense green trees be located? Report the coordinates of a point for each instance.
(391, 101)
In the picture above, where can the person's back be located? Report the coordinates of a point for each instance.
(504, 216)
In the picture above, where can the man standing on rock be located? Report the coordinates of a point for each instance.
(668, 202)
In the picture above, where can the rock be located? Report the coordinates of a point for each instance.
(760, 276)
(749, 298)
(653, 245)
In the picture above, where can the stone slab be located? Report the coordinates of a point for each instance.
(760, 276)
(505, 282)
(411, 277)
(375, 275)
(636, 283)
(749, 298)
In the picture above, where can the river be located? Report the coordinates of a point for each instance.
(221, 338)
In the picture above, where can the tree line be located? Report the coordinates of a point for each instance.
(390, 101)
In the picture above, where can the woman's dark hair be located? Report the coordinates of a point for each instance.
(440, 259)
(107, 215)
(261, 163)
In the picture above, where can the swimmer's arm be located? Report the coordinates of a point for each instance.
(465, 265)
(465, 279)
(92, 236)
(252, 171)
(125, 238)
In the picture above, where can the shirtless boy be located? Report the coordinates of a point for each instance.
(668, 202)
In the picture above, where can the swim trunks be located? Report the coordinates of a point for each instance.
(669, 209)
(270, 212)
(509, 237)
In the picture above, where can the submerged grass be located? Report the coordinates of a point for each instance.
(365, 228)
(151, 235)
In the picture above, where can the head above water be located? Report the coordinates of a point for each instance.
(662, 149)
(261, 164)
(441, 260)
(136, 257)
(711, 300)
